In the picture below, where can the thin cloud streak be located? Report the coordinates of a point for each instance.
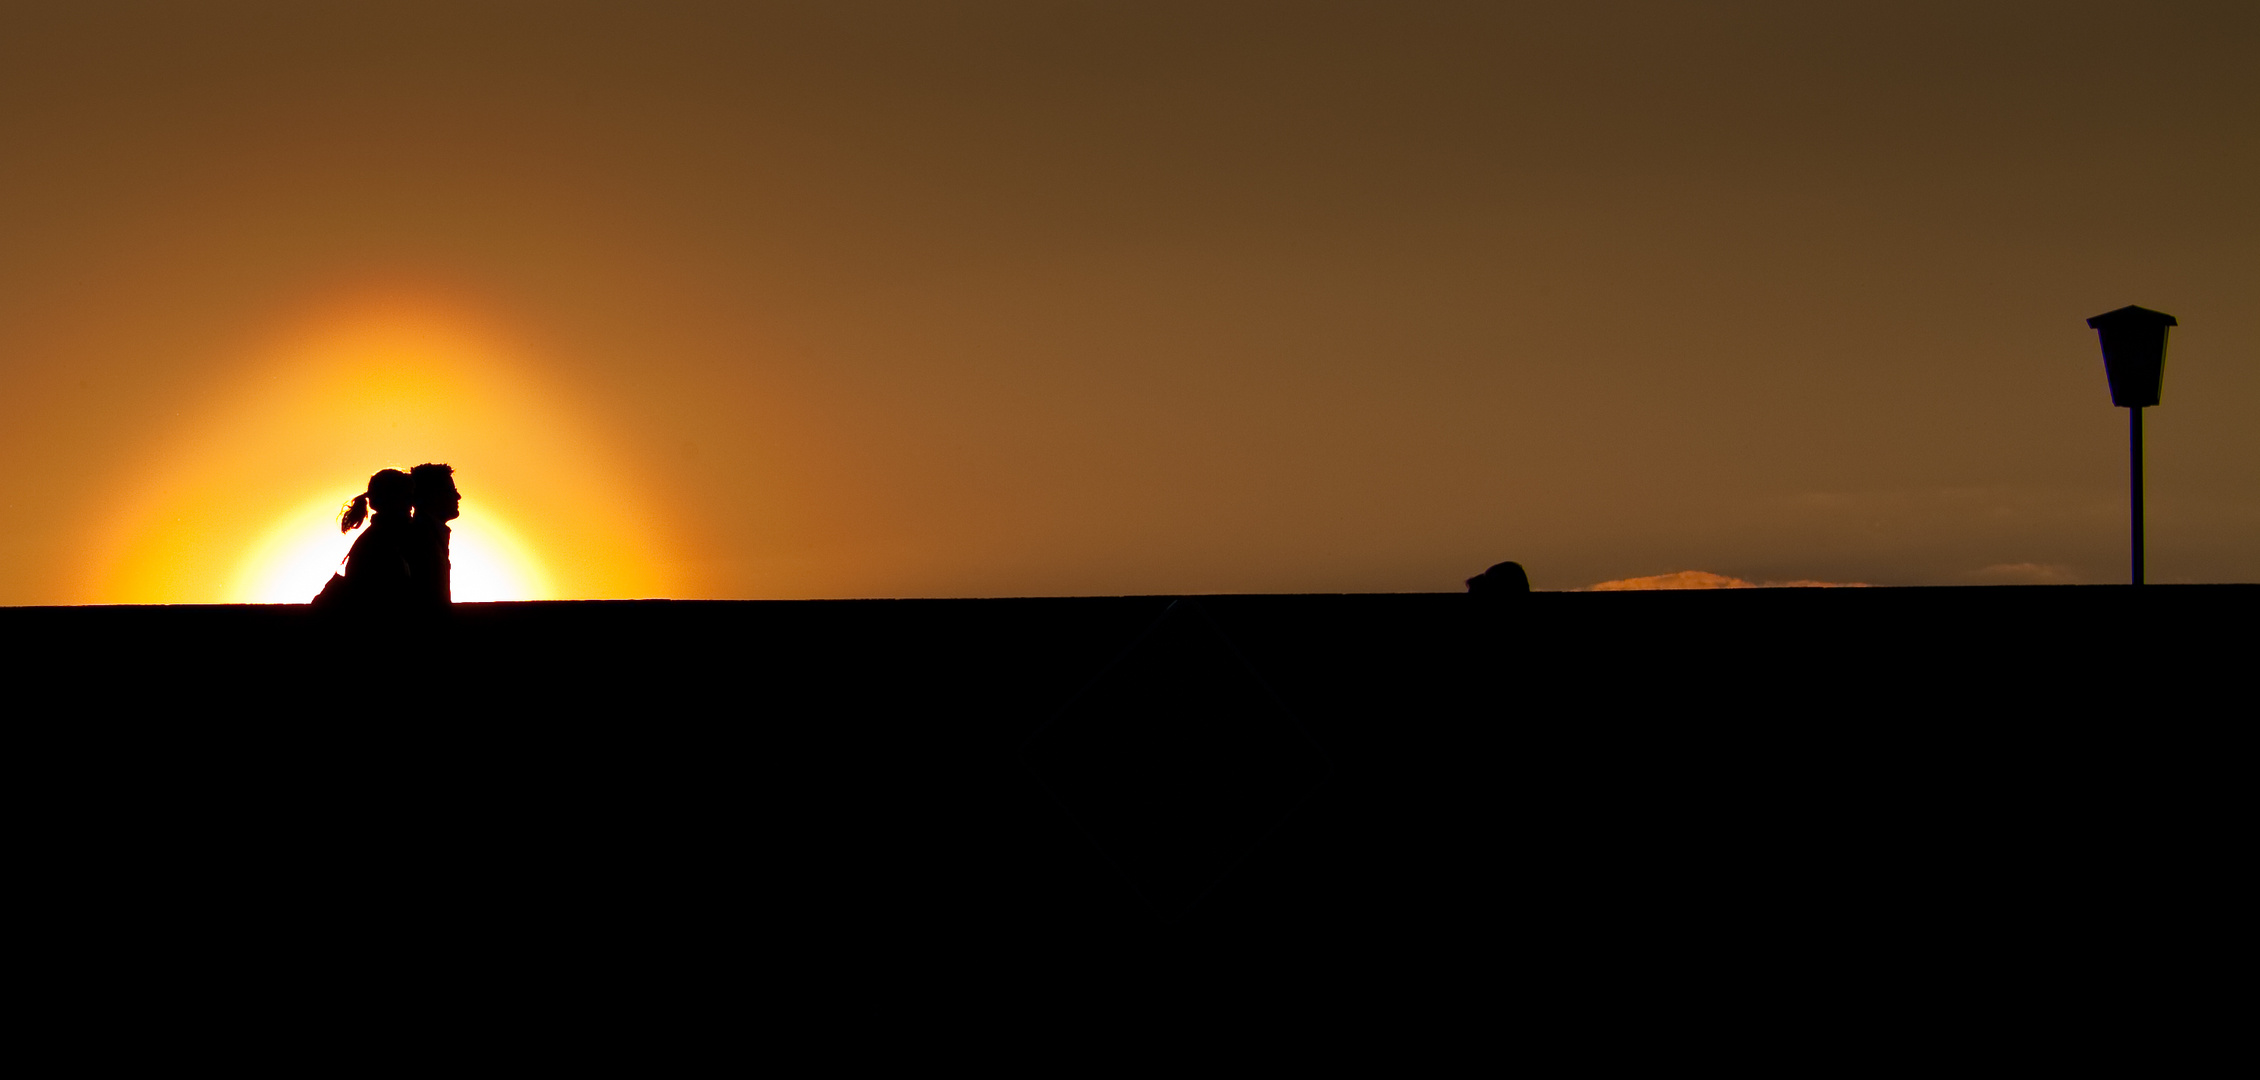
(1704, 579)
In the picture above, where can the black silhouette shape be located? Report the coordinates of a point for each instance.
(1503, 579)
(437, 502)
(2134, 353)
(1177, 760)
(1686, 789)
(379, 570)
(2134, 359)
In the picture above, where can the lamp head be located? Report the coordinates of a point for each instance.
(2134, 353)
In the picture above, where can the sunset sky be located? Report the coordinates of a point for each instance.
(745, 300)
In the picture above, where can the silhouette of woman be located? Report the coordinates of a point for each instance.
(379, 571)
(437, 503)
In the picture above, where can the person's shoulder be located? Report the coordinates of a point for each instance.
(378, 539)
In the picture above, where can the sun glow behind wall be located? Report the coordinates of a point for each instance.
(241, 504)
(297, 556)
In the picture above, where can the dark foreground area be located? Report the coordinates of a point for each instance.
(1575, 806)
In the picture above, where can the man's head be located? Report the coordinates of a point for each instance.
(436, 497)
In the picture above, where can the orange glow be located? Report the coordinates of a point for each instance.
(292, 561)
(1704, 579)
(242, 506)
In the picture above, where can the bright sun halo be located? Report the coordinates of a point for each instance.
(301, 551)
(240, 505)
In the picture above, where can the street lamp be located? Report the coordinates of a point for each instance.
(2134, 357)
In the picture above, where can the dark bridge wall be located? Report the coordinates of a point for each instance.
(1791, 783)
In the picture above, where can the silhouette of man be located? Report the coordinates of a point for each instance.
(437, 503)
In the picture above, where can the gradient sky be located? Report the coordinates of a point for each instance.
(897, 299)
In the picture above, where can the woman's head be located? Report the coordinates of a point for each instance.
(390, 491)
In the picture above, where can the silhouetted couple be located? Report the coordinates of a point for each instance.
(399, 563)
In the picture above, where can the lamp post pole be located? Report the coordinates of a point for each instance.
(2134, 484)
(2134, 359)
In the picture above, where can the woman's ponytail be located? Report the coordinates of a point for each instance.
(390, 492)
